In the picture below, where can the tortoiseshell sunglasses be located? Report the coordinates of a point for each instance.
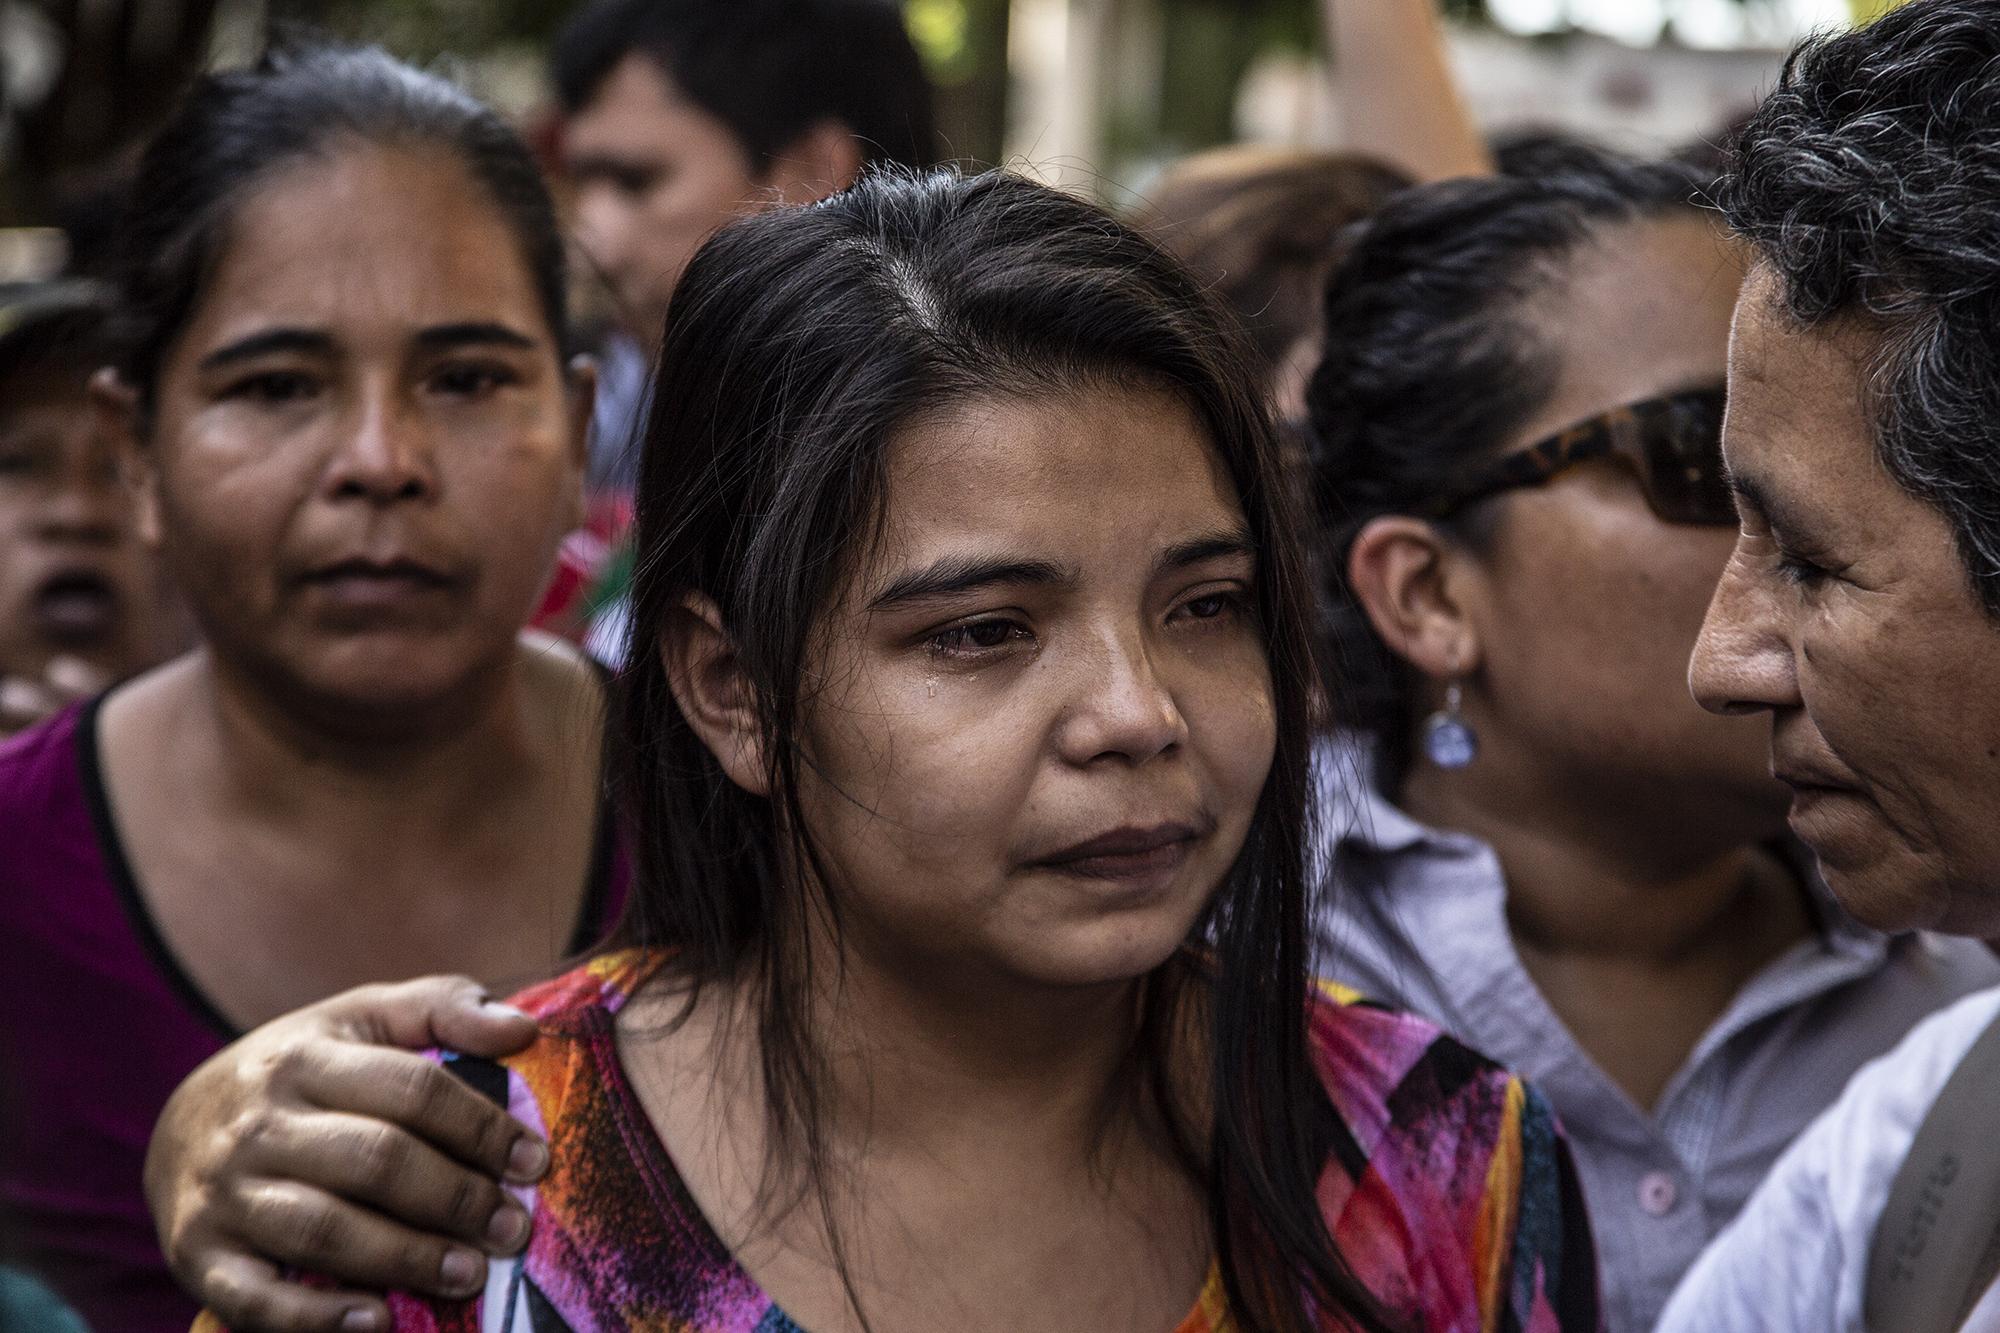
(1674, 444)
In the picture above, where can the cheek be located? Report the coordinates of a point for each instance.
(1600, 627)
(1864, 688)
(528, 489)
(222, 524)
(1233, 731)
(905, 773)
(1902, 692)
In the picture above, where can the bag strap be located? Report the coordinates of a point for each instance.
(1936, 1248)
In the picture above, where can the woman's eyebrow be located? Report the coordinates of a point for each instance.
(1777, 515)
(1208, 546)
(957, 574)
(308, 341)
(474, 333)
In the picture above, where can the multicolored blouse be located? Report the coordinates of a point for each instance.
(1449, 1191)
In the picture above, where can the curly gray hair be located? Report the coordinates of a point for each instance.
(1869, 184)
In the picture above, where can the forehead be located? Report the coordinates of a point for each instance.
(1097, 476)
(1642, 310)
(1799, 405)
(639, 113)
(368, 237)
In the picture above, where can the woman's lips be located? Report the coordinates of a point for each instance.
(386, 585)
(1129, 853)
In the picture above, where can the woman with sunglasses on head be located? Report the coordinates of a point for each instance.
(358, 439)
(1562, 859)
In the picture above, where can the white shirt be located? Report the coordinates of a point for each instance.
(1796, 1258)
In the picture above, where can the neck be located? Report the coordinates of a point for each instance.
(917, 1055)
(1600, 881)
(295, 755)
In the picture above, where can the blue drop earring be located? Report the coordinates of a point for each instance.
(1449, 740)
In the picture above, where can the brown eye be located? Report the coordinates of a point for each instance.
(975, 637)
(274, 387)
(472, 380)
(1212, 606)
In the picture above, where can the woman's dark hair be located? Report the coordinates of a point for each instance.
(1868, 183)
(234, 129)
(768, 69)
(1436, 358)
(1262, 226)
(799, 342)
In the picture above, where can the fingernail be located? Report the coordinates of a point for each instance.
(527, 1160)
(361, 1321)
(507, 1229)
(501, 1010)
(461, 1269)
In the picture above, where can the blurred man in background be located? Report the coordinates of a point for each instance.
(679, 115)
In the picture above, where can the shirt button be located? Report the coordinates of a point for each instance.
(1657, 1193)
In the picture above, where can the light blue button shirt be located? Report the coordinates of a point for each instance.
(1416, 918)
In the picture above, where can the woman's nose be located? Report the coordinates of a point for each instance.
(386, 457)
(1124, 709)
(1743, 659)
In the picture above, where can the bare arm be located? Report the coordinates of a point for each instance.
(322, 1142)
(1398, 99)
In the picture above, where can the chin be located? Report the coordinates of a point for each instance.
(372, 688)
(1106, 952)
(1890, 897)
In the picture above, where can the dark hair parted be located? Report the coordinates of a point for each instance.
(768, 69)
(1869, 184)
(234, 129)
(799, 342)
(1436, 359)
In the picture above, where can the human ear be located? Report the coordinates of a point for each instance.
(713, 692)
(580, 377)
(822, 161)
(114, 409)
(1415, 588)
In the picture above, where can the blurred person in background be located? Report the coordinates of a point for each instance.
(1860, 616)
(1538, 840)
(357, 437)
(1262, 226)
(678, 115)
(1397, 99)
(81, 603)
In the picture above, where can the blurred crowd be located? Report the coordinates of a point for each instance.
(1391, 738)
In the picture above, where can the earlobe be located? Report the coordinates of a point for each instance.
(713, 692)
(1404, 576)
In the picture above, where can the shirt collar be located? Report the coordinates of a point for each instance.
(1358, 815)
(1360, 818)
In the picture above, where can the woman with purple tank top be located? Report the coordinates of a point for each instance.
(357, 443)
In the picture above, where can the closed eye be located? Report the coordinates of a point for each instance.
(1801, 572)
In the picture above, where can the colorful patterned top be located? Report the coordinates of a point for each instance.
(1449, 1191)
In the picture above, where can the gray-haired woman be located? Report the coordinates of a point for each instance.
(1861, 608)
